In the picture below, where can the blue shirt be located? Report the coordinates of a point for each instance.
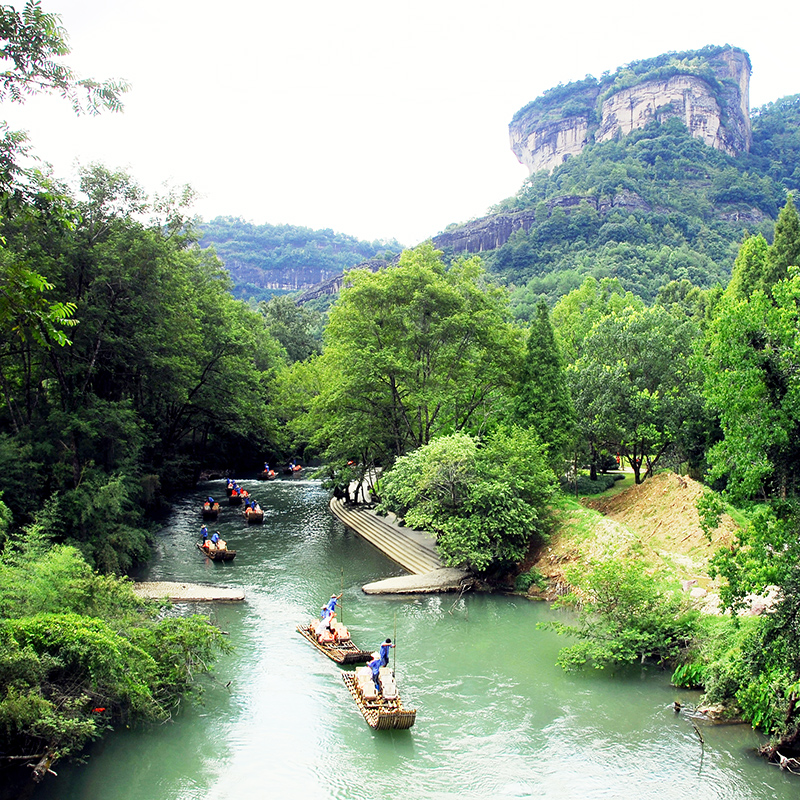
(385, 648)
(215, 538)
(332, 604)
(375, 666)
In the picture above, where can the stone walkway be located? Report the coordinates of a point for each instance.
(413, 550)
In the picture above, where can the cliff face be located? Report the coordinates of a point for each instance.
(550, 144)
(711, 98)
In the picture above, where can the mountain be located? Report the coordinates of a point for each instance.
(708, 90)
(663, 175)
(667, 196)
(274, 259)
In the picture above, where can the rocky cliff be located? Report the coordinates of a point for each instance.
(708, 90)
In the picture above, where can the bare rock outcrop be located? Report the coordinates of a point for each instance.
(708, 91)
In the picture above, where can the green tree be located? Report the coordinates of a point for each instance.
(753, 351)
(575, 313)
(294, 326)
(635, 385)
(31, 44)
(542, 400)
(79, 652)
(785, 249)
(626, 616)
(415, 351)
(486, 505)
(749, 268)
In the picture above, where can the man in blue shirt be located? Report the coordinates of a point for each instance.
(332, 603)
(375, 666)
(384, 652)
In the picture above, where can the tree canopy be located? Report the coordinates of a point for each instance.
(485, 502)
(412, 352)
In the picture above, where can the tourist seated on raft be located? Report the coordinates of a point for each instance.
(321, 628)
(217, 543)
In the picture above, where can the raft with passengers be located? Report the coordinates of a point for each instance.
(214, 547)
(379, 703)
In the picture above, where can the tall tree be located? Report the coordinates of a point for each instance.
(543, 401)
(643, 384)
(416, 351)
(749, 269)
(785, 249)
(753, 358)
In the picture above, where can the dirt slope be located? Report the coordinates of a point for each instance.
(657, 519)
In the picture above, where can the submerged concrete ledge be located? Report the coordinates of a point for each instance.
(445, 579)
(187, 592)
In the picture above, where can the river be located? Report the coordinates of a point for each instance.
(495, 717)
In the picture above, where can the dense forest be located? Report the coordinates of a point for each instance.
(127, 366)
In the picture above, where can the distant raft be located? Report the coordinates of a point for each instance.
(210, 510)
(381, 711)
(216, 554)
(254, 516)
(336, 644)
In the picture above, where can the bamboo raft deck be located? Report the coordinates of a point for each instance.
(381, 713)
(342, 652)
(216, 555)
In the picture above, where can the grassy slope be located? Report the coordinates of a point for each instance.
(657, 520)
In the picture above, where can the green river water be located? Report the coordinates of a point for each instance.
(495, 717)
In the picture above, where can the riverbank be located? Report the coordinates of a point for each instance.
(656, 520)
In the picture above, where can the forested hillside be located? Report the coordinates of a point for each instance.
(650, 208)
(263, 260)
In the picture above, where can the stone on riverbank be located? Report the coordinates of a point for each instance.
(187, 592)
(438, 580)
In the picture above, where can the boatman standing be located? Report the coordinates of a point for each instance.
(332, 603)
(375, 666)
(384, 652)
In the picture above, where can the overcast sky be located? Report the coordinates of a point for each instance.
(377, 119)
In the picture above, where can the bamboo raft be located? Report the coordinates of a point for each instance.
(382, 712)
(209, 511)
(216, 555)
(342, 651)
(254, 517)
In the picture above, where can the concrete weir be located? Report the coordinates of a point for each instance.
(415, 551)
(187, 592)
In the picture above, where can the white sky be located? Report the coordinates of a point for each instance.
(377, 119)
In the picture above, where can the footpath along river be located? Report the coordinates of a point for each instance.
(496, 718)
